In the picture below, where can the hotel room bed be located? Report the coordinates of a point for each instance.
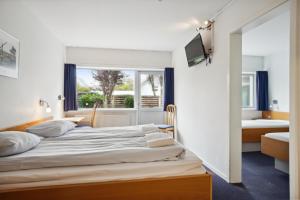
(128, 176)
(252, 130)
(188, 165)
(276, 145)
(89, 152)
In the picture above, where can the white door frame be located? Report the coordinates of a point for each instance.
(295, 100)
(235, 140)
(234, 90)
(138, 96)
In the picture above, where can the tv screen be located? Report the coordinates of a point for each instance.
(195, 51)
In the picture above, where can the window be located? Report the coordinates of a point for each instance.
(119, 88)
(151, 84)
(112, 88)
(248, 87)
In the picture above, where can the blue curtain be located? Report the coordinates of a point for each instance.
(169, 87)
(262, 90)
(70, 87)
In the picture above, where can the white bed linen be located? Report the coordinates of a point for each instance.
(282, 136)
(108, 132)
(89, 152)
(188, 165)
(265, 123)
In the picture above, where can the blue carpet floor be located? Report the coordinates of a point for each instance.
(261, 181)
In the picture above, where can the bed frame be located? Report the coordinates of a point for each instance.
(253, 135)
(275, 148)
(188, 187)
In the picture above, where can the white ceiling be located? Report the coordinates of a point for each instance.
(268, 38)
(124, 24)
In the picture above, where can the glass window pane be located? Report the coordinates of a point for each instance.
(151, 85)
(112, 88)
(248, 90)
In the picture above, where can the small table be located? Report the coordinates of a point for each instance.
(73, 119)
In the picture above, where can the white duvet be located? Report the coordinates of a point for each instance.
(282, 136)
(188, 165)
(265, 123)
(60, 153)
(109, 132)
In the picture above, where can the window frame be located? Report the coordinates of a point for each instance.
(136, 87)
(253, 75)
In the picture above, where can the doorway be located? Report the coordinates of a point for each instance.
(236, 61)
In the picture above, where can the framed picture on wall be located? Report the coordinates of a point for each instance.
(9, 55)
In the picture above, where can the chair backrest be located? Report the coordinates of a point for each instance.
(170, 114)
(93, 114)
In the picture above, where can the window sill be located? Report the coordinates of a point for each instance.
(108, 109)
(250, 109)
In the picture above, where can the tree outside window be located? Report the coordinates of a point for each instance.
(112, 88)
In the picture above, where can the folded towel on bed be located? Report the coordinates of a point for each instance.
(157, 135)
(161, 142)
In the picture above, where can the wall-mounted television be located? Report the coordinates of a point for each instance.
(195, 51)
(201, 47)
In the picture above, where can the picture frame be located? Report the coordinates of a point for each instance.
(9, 55)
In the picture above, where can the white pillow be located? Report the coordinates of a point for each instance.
(14, 142)
(53, 128)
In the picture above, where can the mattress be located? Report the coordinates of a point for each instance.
(189, 164)
(265, 123)
(282, 136)
(63, 153)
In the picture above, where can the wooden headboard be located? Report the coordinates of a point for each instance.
(23, 127)
(275, 115)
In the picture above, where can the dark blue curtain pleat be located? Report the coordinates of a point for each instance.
(262, 90)
(169, 87)
(70, 87)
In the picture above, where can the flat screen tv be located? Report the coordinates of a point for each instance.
(195, 51)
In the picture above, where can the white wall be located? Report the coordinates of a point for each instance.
(277, 65)
(202, 93)
(118, 58)
(40, 68)
(270, 42)
(251, 114)
(252, 63)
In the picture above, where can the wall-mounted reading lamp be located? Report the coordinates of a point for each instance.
(45, 103)
(61, 97)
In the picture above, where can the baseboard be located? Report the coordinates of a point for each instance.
(211, 167)
(216, 171)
